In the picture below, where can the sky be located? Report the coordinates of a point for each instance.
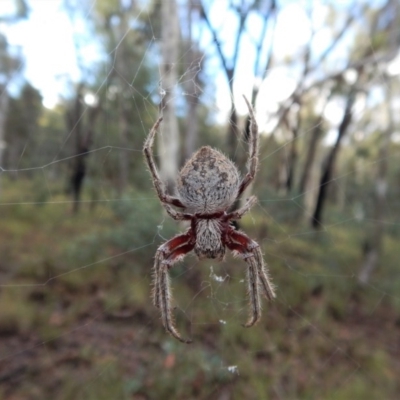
(46, 41)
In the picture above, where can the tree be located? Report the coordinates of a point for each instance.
(3, 113)
(388, 20)
(364, 60)
(373, 243)
(192, 84)
(9, 68)
(242, 10)
(329, 164)
(83, 132)
(168, 143)
(22, 126)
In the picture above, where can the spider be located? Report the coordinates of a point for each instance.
(208, 185)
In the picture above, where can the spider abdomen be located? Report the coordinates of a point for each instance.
(208, 182)
(209, 239)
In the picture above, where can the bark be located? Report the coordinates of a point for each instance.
(330, 162)
(168, 144)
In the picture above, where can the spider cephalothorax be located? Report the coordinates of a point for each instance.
(208, 185)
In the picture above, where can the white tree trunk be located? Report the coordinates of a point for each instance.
(193, 58)
(168, 144)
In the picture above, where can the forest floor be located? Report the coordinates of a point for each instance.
(76, 320)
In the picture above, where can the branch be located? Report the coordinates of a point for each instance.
(215, 37)
(336, 40)
(259, 44)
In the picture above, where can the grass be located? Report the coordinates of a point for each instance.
(78, 324)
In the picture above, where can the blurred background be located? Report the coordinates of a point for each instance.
(81, 84)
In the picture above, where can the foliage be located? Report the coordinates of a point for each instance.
(128, 231)
(103, 339)
(22, 127)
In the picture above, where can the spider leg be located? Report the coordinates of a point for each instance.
(253, 150)
(162, 253)
(168, 254)
(254, 249)
(158, 184)
(250, 251)
(253, 288)
(238, 214)
(176, 215)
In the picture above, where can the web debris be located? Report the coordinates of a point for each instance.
(233, 369)
(217, 278)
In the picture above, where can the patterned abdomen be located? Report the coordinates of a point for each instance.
(208, 182)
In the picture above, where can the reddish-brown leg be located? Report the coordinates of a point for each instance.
(250, 251)
(168, 254)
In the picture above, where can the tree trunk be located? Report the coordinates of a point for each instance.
(292, 160)
(168, 144)
(330, 162)
(74, 125)
(311, 153)
(83, 140)
(123, 68)
(373, 242)
(293, 123)
(193, 61)
(192, 126)
(123, 140)
(3, 114)
(233, 129)
(233, 133)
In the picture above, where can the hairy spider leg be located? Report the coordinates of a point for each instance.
(253, 150)
(238, 214)
(168, 254)
(158, 184)
(252, 284)
(253, 248)
(176, 215)
(249, 250)
(162, 253)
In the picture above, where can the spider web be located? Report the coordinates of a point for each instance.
(115, 341)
